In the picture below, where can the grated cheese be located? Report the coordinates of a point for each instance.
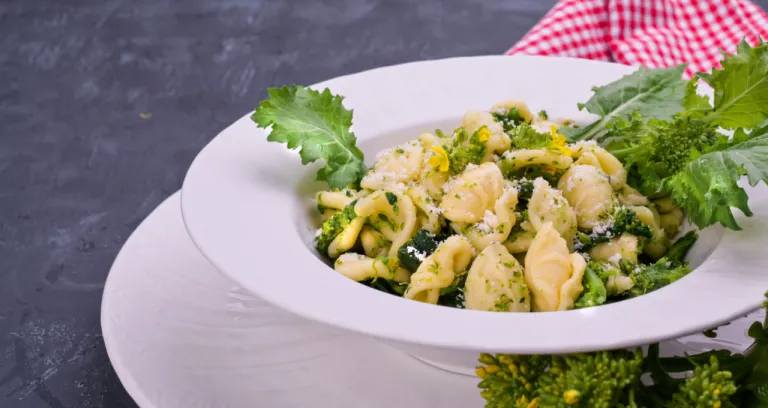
(383, 153)
(380, 177)
(499, 110)
(584, 145)
(415, 252)
(615, 259)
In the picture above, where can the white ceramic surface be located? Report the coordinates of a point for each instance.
(245, 203)
(181, 335)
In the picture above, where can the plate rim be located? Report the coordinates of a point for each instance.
(128, 382)
(396, 333)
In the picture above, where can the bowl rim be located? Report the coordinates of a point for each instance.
(240, 191)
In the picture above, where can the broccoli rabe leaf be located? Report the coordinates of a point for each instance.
(386, 286)
(741, 88)
(526, 137)
(422, 245)
(652, 93)
(453, 294)
(509, 119)
(318, 124)
(707, 187)
(695, 104)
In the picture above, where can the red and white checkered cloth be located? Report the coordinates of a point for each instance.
(651, 33)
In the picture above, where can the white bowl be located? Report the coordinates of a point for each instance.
(247, 203)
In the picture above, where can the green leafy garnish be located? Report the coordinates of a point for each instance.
(741, 88)
(652, 93)
(318, 124)
(526, 137)
(707, 187)
(681, 154)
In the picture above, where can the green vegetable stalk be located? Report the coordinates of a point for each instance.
(715, 379)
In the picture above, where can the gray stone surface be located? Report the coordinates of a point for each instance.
(82, 162)
(103, 105)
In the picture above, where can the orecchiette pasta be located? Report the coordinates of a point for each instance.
(517, 159)
(657, 246)
(498, 141)
(549, 205)
(588, 191)
(327, 213)
(467, 219)
(358, 267)
(522, 109)
(613, 251)
(630, 196)
(399, 165)
(617, 282)
(439, 269)
(337, 200)
(374, 243)
(520, 240)
(610, 165)
(670, 216)
(347, 238)
(495, 226)
(670, 222)
(468, 196)
(428, 213)
(431, 178)
(496, 282)
(552, 273)
(392, 214)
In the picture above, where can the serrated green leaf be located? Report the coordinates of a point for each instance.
(707, 187)
(526, 137)
(652, 93)
(741, 88)
(318, 124)
(695, 105)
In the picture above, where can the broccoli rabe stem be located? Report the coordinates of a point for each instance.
(631, 151)
(680, 248)
(594, 293)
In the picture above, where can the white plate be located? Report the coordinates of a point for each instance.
(180, 335)
(245, 203)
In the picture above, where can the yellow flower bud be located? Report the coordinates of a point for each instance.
(440, 160)
(481, 373)
(483, 134)
(571, 397)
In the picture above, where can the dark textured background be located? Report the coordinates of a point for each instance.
(104, 104)
(82, 162)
